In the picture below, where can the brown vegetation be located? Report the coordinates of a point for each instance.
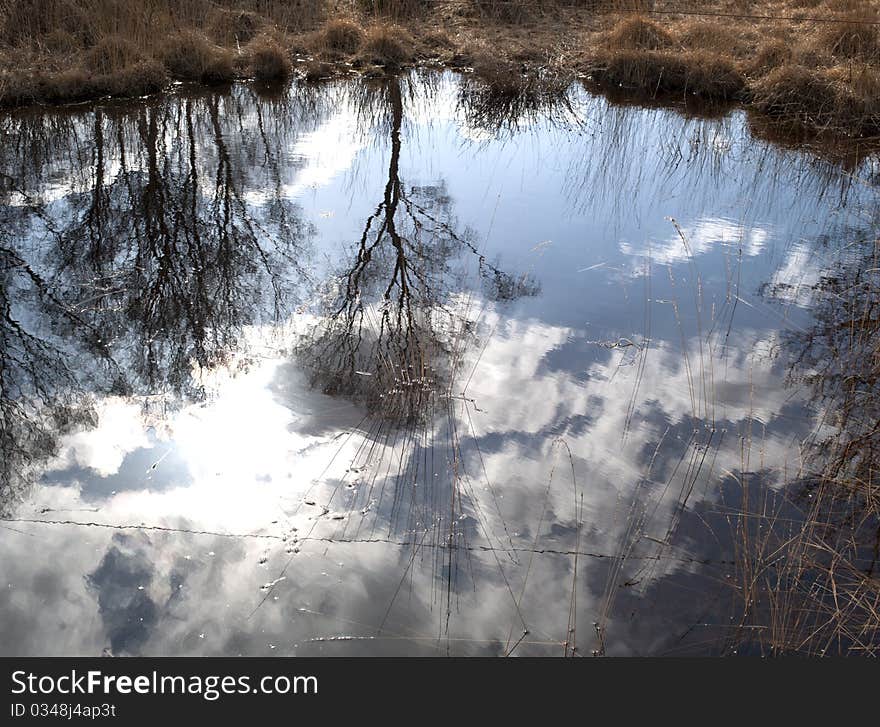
(699, 73)
(340, 35)
(823, 99)
(393, 8)
(192, 57)
(810, 63)
(268, 60)
(228, 27)
(808, 558)
(505, 11)
(388, 45)
(636, 33)
(817, 70)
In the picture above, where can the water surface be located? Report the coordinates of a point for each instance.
(390, 368)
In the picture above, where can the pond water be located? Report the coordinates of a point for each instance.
(396, 367)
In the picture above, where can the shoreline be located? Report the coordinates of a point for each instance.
(810, 78)
(843, 150)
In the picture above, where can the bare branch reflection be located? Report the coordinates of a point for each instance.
(143, 263)
(390, 332)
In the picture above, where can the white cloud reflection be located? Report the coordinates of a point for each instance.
(702, 236)
(267, 442)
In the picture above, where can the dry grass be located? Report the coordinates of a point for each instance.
(849, 41)
(636, 33)
(808, 589)
(499, 96)
(639, 54)
(623, 45)
(712, 36)
(822, 99)
(770, 54)
(192, 57)
(818, 77)
(396, 9)
(340, 36)
(388, 45)
(316, 70)
(112, 53)
(506, 11)
(807, 578)
(496, 74)
(31, 20)
(230, 26)
(267, 59)
(138, 79)
(661, 73)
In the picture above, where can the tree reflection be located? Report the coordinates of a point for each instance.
(148, 266)
(169, 256)
(390, 331)
(391, 336)
(39, 396)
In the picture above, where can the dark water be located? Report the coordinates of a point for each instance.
(394, 368)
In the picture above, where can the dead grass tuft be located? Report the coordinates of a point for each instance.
(340, 36)
(498, 75)
(317, 71)
(73, 83)
(710, 36)
(111, 54)
(795, 90)
(837, 99)
(388, 45)
(138, 79)
(267, 59)
(771, 54)
(190, 56)
(851, 41)
(636, 33)
(231, 26)
(698, 73)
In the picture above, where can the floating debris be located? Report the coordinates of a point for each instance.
(271, 584)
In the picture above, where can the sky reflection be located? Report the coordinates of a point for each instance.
(356, 371)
